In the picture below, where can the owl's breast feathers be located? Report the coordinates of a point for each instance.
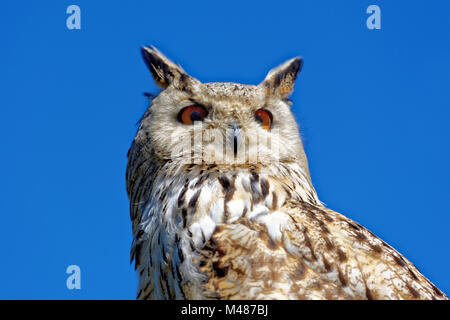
(249, 234)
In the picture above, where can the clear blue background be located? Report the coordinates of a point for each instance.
(373, 106)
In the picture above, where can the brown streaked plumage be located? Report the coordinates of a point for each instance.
(235, 216)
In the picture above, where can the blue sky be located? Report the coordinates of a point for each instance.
(373, 107)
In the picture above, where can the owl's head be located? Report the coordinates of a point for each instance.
(226, 124)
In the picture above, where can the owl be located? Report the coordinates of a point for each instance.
(222, 205)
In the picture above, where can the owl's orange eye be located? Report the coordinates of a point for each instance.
(192, 113)
(264, 117)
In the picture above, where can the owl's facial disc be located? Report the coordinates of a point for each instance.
(221, 123)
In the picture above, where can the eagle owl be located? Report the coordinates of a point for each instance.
(222, 204)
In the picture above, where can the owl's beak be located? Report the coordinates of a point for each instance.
(235, 127)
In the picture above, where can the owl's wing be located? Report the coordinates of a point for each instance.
(303, 251)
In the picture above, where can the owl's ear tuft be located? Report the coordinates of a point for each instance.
(164, 71)
(280, 80)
